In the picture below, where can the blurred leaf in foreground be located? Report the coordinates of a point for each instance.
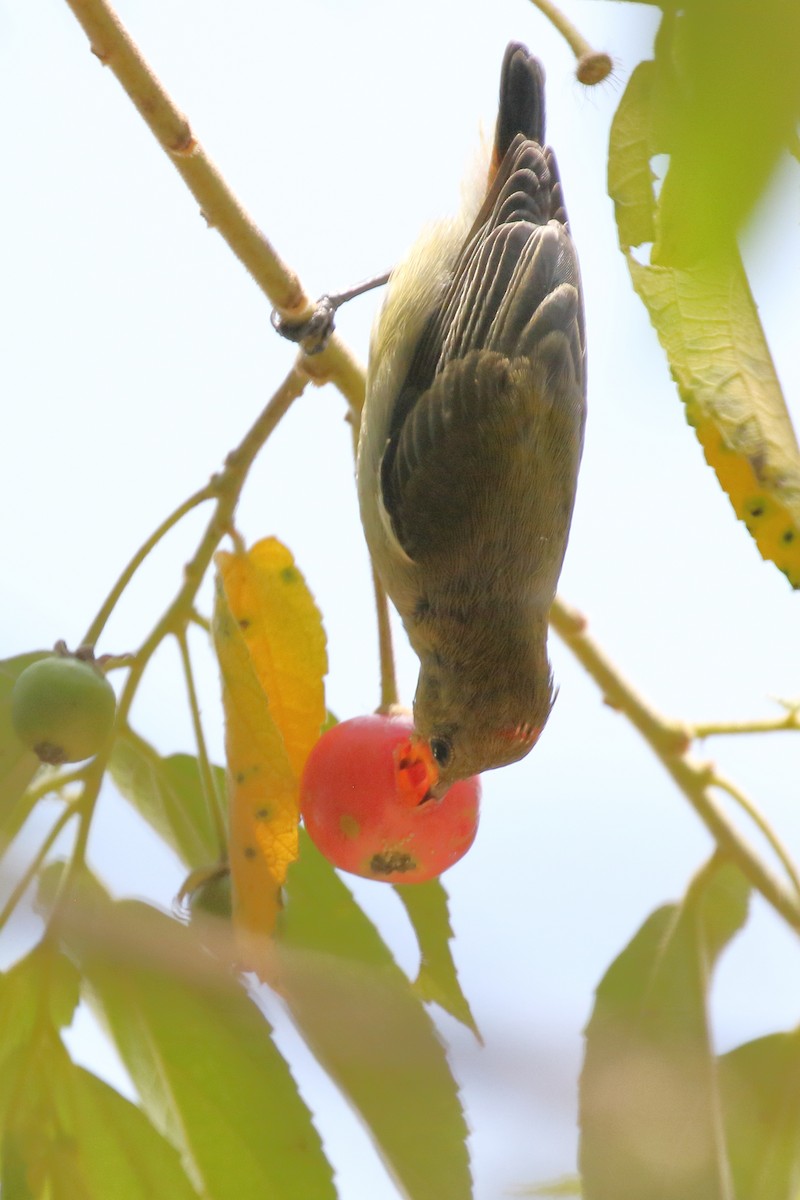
(371, 1033)
(66, 1134)
(198, 1050)
(760, 1089)
(650, 1114)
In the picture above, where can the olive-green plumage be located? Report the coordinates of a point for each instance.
(471, 441)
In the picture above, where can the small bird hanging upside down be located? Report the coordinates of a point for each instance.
(470, 445)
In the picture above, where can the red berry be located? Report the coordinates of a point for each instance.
(362, 810)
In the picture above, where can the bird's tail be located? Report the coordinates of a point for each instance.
(521, 102)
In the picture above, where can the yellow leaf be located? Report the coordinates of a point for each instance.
(707, 323)
(271, 650)
(283, 630)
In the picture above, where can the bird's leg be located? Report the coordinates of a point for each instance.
(314, 333)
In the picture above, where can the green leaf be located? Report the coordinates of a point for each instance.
(709, 327)
(200, 1054)
(630, 176)
(65, 1134)
(437, 981)
(111, 1142)
(168, 793)
(649, 1104)
(44, 983)
(358, 1013)
(17, 765)
(731, 99)
(760, 1089)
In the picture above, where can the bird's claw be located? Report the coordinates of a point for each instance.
(313, 334)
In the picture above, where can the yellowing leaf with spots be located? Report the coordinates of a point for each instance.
(271, 649)
(282, 629)
(707, 322)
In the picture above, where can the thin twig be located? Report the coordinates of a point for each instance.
(670, 741)
(98, 624)
(764, 725)
(210, 793)
(227, 486)
(761, 823)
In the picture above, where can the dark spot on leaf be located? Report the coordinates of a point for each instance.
(262, 814)
(421, 609)
(755, 508)
(244, 623)
(249, 851)
(240, 776)
(787, 537)
(392, 861)
(290, 575)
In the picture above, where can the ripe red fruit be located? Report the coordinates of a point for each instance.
(361, 806)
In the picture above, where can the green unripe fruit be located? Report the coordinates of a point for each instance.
(63, 709)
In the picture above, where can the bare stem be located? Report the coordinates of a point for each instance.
(210, 792)
(111, 43)
(670, 741)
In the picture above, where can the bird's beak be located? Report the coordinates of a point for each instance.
(416, 772)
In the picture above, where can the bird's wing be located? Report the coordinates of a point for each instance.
(515, 297)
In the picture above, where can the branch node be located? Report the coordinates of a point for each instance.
(185, 144)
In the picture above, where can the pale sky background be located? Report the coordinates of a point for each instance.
(135, 351)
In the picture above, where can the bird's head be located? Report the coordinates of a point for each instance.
(462, 731)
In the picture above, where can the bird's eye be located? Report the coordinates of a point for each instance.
(441, 750)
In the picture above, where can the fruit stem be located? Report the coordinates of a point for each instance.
(593, 65)
(227, 487)
(98, 624)
(670, 742)
(210, 792)
(385, 648)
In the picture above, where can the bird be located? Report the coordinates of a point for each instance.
(470, 443)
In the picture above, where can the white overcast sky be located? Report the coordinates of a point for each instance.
(134, 352)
